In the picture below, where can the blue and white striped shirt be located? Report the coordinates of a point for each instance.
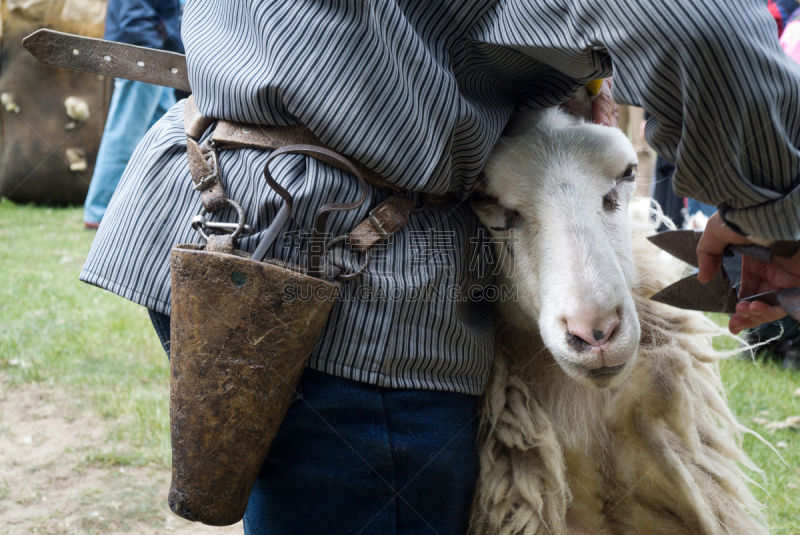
(419, 91)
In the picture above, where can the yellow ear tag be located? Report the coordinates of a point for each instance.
(594, 86)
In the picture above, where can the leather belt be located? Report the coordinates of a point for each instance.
(229, 134)
(383, 221)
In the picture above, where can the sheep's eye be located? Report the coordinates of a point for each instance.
(629, 173)
(611, 201)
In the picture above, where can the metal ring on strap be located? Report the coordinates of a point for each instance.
(360, 271)
(199, 223)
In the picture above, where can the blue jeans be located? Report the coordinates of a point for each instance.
(354, 458)
(135, 107)
(696, 206)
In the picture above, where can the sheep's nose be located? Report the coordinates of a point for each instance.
(593, 326)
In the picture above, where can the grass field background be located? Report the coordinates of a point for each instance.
(101, 350)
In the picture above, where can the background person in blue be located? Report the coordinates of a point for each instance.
(135, 106)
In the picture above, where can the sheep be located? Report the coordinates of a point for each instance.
(604, 412)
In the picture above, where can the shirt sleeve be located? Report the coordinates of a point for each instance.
(723, 95)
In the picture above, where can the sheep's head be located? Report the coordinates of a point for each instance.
(555, 198)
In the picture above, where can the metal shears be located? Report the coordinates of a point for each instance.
(721, 294)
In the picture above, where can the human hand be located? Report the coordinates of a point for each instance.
(757, 276)
(604, 110)
(600, 109)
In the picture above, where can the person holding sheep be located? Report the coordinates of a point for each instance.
(382, 437)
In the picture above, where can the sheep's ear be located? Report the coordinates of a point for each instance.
(492, 214)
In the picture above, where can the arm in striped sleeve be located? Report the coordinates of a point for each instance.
(724, 97)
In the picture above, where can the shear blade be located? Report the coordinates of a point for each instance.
(691, 294)
(682, 244)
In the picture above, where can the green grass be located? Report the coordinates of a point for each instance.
(763, 391)
(102, 351)
(759, 390)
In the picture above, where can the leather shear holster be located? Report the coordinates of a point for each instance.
(238, 343)
(238, 350)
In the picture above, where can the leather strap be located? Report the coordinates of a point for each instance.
(238, 135)
(109, 58)
(193, 121)
(206, 175)
(383, 221)
(229, 134)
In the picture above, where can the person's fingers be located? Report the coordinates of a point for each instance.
(715, 238)
(748, 285)
(753, 282)
(749, 315)
(738, 323)
(604, 110)
(709, 265)
(761, 310)
(759, 277)
(742, 307)
(742, 319)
